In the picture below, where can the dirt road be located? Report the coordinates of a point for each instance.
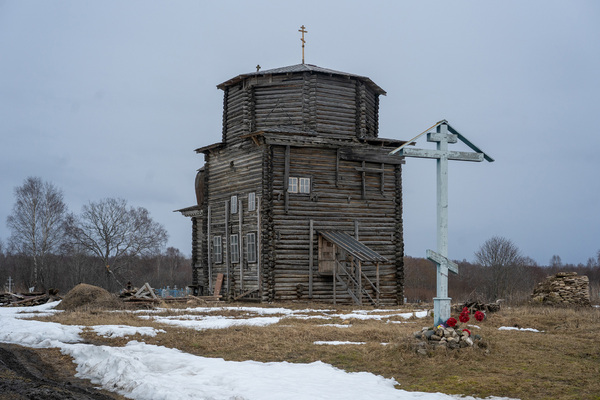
(43, 374)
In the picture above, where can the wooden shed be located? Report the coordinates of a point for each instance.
(300, 199)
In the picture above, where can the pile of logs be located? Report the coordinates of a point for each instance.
(474, 305)
(144, 294)
(27, 299)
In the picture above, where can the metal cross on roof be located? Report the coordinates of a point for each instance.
(303, 30)
(443, 135)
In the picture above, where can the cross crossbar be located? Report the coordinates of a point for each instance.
(451, 155)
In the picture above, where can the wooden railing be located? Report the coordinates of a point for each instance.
(352, 282)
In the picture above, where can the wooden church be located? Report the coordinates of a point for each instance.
(300, 199)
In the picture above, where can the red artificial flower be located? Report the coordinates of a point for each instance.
(464, 317)
(451, 322)
(465, 310)
(468, 331)
(479, 316)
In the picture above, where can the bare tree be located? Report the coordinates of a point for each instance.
(36, 223)
(112, 231)
(505, 263)
(556, 261)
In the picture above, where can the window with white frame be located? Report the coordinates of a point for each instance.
(233, 207)
(217, 250)
(292, 185)
(251, 201)
(298, 185)
(234, 248)
(304, 185)
(251, 247)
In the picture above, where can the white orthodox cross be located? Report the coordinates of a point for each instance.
(441, 303)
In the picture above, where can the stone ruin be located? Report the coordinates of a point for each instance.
(563, 289)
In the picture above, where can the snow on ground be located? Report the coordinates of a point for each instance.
(214, 322)
(196, 318)
(113, 331)
(142, 371)
(337, 325)
(336, 343)
(512, 328)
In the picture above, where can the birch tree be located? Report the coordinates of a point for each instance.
(36, 223)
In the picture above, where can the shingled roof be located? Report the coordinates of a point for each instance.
(299, 68)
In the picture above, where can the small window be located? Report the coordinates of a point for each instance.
(293, 185)
(217, 250)
(234, 248)
(233, 206)
(251, 201)
(251, 247)
(304, 185)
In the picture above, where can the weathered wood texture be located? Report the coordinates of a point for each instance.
(336, 208)
(327, 124)
(330, 105)
(235, 171)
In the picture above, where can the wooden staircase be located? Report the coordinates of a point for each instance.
(355, 282)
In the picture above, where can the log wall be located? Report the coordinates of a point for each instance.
(237, 171)
(332, 207)
(331, 105)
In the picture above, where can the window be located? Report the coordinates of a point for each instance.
(293, 185)
(251, 247)
(298, 185)
(233, 205)
(304, 185)
(251, 201)
(217, 250)
(234, 248)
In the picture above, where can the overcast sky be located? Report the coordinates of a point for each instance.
(110, 99)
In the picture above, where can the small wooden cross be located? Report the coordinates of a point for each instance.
(303, 30)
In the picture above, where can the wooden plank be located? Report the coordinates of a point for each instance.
(245, 294)
(218, 285)
(310, 262)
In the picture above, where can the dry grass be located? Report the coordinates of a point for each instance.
(563, 362)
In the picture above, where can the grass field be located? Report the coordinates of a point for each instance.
(560, 362)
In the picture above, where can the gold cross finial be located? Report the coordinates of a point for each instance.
(303, 30)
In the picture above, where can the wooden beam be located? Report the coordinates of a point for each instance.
(452, 155)
(369, 155)
(208, 251)
(240, 244)
(258, 243)
(310, 259)
(337, 168)
(363, 192)
(286, 179)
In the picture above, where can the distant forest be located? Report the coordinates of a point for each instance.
(63, 271)
(514, 284)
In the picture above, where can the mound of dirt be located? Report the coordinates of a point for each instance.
(88, 296)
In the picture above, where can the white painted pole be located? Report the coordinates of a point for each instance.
(441, 303)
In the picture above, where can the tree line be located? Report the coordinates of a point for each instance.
(500, 271)
(108, 244)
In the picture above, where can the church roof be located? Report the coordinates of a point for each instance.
(299, 68)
